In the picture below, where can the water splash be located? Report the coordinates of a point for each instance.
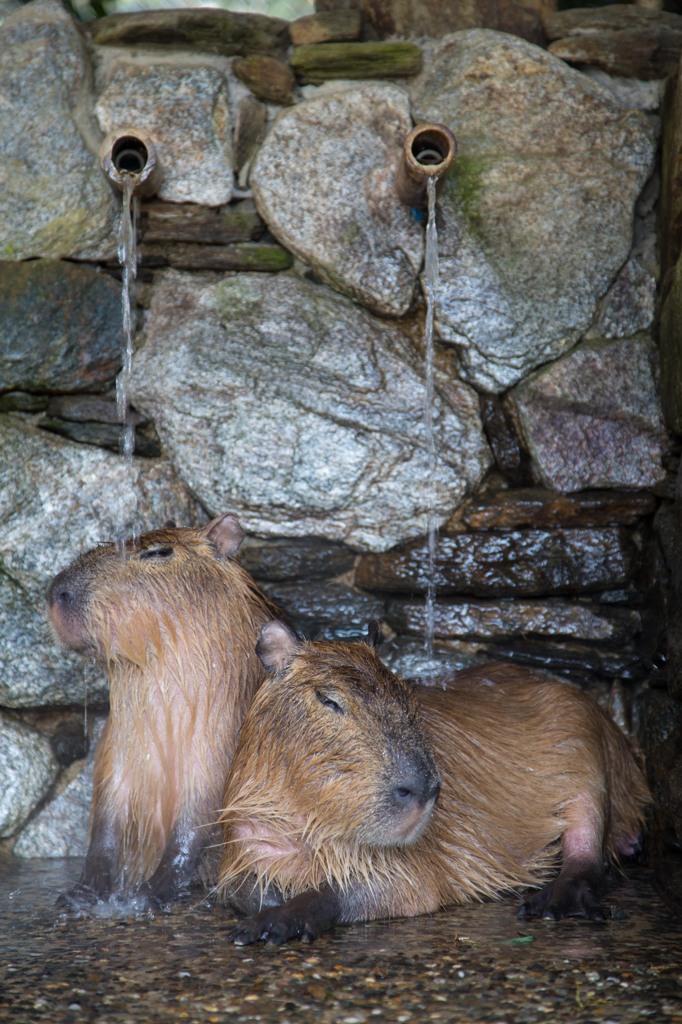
(430, 286)
(127, 257)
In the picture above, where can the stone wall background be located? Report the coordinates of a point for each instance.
(279, 364)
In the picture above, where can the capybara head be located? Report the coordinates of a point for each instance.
(123, 601)
(334, 742)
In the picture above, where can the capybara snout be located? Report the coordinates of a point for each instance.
(66, 599)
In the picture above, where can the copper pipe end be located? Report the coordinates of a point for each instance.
(128, 153)
(428, 151)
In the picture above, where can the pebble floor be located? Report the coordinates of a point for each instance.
(468, 964)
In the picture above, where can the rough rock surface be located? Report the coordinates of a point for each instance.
(505, 563)
(671, 357)
(27, 769)
(270, 80)
(631, 93)
(534, 507)
(206, 29)
(56, 201)
(281, 561)
(623, 39)
(506, 619)
(34, 671)
(670, 240)
(287, 404)
(593, 418)
(328, 609)
(536, 214)
(60, 829)
(433, 18)
(60, 326)
(56, 501)
(630, 304)
(323, 182)
(183, 107)
(316, 64)
(326, 27)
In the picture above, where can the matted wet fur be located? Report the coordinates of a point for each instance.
(174, 621)
(534, 776)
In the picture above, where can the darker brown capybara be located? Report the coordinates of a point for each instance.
(333, 811)
(174, 621)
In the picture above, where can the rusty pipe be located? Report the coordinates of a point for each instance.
(428, 151)
(129, 153)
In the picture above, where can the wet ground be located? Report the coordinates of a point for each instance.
(465, 965)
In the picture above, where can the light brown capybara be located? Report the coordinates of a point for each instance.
(174, 621)
(354, 795)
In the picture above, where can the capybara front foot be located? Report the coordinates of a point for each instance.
(569, 895)
(304, 917)
(154, 898)
(80, 900)
(275, 926)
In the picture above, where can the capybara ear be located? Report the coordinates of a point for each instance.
(225, 534)
(277, 646)
(373, 632)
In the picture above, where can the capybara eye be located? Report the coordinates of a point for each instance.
(328, 702)
(160, 552)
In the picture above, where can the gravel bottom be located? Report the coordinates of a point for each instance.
(467, 964)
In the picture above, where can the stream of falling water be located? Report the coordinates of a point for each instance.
(127, 256)
(430, 284)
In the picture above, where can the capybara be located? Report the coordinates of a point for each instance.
(354, 795)
(174, 621)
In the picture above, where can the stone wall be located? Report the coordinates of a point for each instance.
(279, 356)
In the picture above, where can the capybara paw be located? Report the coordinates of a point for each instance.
(534, 905)
(148, 898)
(572, 896)
(81, 899)
(274, 926)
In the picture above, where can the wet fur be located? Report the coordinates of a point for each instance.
(174, 622)
(530, 769)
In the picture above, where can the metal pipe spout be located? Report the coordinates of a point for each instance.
(128, 153)
(428, 152)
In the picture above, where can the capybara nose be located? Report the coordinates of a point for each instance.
(60, 593)
(416, 790)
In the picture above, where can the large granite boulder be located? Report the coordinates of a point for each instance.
(536, 215)
(593, 418)
(56, 201)
(60, 327)
(323, 182)
(183, 108)
(280, 400)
